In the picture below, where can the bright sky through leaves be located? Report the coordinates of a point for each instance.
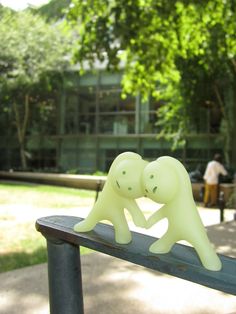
(22, 4)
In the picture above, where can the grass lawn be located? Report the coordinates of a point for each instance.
(20, 205)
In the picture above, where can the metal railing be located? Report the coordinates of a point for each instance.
(64, 267)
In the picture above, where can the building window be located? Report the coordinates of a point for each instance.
(116, 115)
(80, 111)
(87, 110)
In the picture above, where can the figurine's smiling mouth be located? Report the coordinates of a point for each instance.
(154, 189)
(118, 184)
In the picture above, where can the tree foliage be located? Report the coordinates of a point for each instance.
(151, 36)
(168, 50)
(54, 10)
(29, 48)
(31, 52)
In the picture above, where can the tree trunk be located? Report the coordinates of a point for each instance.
(23, 156)
(21, 126)
(234, 131)
(226, 129)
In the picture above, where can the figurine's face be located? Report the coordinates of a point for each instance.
(160, 182)
(126, 178)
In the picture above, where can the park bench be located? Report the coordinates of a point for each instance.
(64, 267)
(87, 182)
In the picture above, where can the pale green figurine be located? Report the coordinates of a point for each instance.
(167, 182)
(122, 187)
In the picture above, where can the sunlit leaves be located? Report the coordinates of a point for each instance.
(168, 49)
(153, 34)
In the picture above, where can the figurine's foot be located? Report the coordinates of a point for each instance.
(213, 266)
(159, 248)
(82, 227)
(212, 263)
(123, 239)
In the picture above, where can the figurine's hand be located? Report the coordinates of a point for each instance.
(154, 218)
(150, 222)
(140, 221)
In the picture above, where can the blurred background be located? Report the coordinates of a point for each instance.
(79, 87)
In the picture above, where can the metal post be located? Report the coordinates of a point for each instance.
(221, 205)
(64, 275)
(98, 189)
(201, 193)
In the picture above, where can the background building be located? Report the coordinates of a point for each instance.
(93, 124)
(88, 123)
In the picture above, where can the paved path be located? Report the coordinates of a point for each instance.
(113, 286)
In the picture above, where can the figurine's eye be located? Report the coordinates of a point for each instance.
(124, 172)
(151, 176)
(154, 189)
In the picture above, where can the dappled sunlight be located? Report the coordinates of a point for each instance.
(24, 292)
(19, 237)
(212, 216)
(224, 237)
(114, 286)
(29, 213)
(117, 286)
(24, 203)
(57, 198)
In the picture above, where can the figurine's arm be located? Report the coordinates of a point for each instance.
(136, 213)
(157, 216)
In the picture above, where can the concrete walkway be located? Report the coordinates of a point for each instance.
(113, 286)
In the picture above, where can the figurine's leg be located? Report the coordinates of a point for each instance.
(88, 223)
(122, 232)
(207, 254)
(164, 244)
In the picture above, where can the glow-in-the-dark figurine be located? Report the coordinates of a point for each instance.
(122, 187)
(167, 182)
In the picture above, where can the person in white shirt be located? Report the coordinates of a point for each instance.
(211, 176)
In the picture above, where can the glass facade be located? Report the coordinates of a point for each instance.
(103, 111)
(100, 109)
(115, 115)
(93, 124)
(99, 124)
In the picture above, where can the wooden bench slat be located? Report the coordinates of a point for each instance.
(181, 262)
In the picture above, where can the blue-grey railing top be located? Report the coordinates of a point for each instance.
(181, 262)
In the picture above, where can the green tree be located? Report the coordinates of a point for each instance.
(31, 52)
(209, 78)
(54, 10)
(160, 43)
